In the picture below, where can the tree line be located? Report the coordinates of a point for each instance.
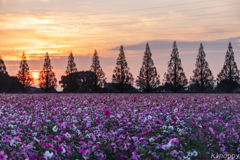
(147, 81)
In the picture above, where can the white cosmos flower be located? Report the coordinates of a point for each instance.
(189, 153)
(36, 139)
(75, 121)
(195, 153)
(149, 117)
(11, 126)
(186, 158)
(63, 150)
(164, 127)
(151, 139)
(12, 143)
(55, 129)
(170, 127)
(48, 155)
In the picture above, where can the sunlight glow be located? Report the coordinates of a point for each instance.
(35, 75)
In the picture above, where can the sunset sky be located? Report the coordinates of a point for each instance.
(58, 26)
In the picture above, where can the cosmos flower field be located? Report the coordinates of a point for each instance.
(118, 126)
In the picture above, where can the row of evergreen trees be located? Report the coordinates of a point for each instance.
(122, 79)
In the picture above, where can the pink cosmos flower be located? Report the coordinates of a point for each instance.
(174, 141)
(81, 151)
(59, 149)
(212, 130)
(174, 153)
(67, 135)
(158, 121)
(42, 158)
(107, 113)
(226, 98)
(43, 146)
(238, 149)
(2, 156)
(105, 107)
(202, 157)
(100, 156)
(215, 121)
(222, 135)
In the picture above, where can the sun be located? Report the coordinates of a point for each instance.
(35, 75)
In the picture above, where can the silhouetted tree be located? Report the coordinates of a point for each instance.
(99, 76)
(148, 79)
(223, 85)
(202, 78)
(229, 74)
(71, 68)
(47, 80)
(24, 76)
(175, 78)
(84, 80)
(5, 80)
(15, 86)
(70, 82)
(122, 79)
(2, 66)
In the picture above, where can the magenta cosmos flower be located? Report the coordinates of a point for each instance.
(204, 126)
(107, 113)
(158, 121)
(201, 134)
(97, 120)
(2, 156)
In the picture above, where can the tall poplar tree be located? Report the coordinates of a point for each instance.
(202, 78)
(5, 79)
(47, 80)
(175, 78)
(229, 75)
(148, 79)
(70, 82)
(24, 76)
(2, 66)
(99, 76)
(122, 79)
(71, 67)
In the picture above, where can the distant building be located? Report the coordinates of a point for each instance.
(34, 90)
(109, 87)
